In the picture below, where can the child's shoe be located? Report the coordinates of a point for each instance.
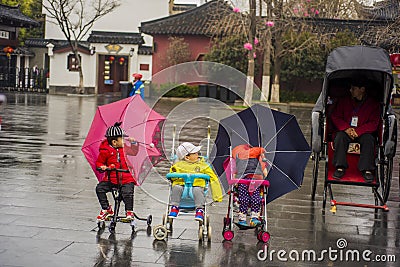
(174, 212)
(104, 214)
(242, 219)
(254, 222)
(129, 215)
(199, 215)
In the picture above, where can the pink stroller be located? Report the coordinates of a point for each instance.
(227, 232)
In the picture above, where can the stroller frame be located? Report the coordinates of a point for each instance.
(160, 232)
(262, 229)
(117, 196)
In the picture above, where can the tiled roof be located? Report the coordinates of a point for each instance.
(115, 37)
(145, 50)
(197, 21)
(58, 44)
(380, 33)
(383, 10)
(12, 16)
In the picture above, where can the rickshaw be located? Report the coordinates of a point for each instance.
(342, 64)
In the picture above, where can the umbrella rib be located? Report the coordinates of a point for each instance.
(232, 130)
(290, 179)
(276, 134)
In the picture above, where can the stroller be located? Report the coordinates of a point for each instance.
(117, 196)
(261, 229)
(186, 205)
(342, 64)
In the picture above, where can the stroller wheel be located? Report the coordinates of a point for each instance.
(228, 235)
(201, 233)
(160, 232)
(111, 227)
(209, 233)
(263, 236)
(101, 225)
(149, 220)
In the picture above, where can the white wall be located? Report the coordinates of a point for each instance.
(144, 59)
(61, 76)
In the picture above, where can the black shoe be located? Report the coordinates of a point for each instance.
(368, 176)
(339, 172)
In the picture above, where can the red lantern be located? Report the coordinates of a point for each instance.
(8, 50)
(121, 60)
(395, 59)
(112, 58)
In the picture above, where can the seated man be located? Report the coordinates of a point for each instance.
(356, 118)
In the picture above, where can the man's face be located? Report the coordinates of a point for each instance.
(357, 92)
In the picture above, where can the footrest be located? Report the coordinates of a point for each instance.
(244, 227)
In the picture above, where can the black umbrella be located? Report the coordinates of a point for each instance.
(287, 151)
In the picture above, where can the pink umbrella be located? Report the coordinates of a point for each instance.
(138, 121)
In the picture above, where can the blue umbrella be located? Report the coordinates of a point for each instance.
(287, 151)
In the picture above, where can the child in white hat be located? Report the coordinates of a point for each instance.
(190, 162)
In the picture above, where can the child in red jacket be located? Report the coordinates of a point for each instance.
(112, 154)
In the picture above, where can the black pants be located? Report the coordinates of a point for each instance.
(127, 190)
(367, 151)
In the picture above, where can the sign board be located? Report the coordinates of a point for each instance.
(4, 35)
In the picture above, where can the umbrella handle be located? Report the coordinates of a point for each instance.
(173, 142)
(208, 140)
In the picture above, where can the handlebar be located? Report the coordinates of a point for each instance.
(112, 169)
(172, 175)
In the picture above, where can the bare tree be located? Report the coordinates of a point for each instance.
(286, 17)
(248, 96)
(75, 19)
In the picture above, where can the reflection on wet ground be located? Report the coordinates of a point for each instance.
(48, 203)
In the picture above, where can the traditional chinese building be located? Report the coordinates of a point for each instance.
(13, 58)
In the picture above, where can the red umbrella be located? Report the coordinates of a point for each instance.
(138, 121)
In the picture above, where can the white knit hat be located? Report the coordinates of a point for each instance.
(185, 149)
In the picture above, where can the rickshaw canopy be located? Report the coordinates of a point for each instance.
(346, 61)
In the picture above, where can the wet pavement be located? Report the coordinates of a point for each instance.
(48, 203)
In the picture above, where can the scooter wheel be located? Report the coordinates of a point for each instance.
(149, 220)
(101, 225)
(111, 228)
(228, 235)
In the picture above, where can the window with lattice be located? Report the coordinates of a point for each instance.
(73, 64)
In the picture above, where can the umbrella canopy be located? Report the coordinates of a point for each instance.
(138, 121)
(287, 151)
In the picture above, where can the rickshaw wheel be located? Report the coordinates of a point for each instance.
(386, 178)
(315, 174)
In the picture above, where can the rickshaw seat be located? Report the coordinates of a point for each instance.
(353, 175)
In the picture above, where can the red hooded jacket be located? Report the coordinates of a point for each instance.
(109, 155)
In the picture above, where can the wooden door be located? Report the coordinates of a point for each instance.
(112, 70)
